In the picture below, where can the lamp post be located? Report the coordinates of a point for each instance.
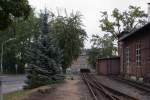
(2, 52)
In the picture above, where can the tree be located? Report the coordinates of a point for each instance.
(70, 35)
(92, 56)
(123, 21)
(102, 47)
(44, 58)
(9, 9)
(23, 31)
(104, 44)
(119, 21)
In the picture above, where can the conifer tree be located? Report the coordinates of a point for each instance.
(44, 58)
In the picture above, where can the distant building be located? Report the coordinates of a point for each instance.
(108, 66)
(81, 62)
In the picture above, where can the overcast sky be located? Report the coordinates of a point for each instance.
(90, 10)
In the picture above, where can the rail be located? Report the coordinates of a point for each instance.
(140, 86)
(99, 90)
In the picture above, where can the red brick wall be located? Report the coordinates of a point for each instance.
(120, 50)
(133, 69)
(108, 66)
(102, 67)
(114, 66)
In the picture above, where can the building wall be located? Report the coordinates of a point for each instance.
(108, 66)
(81, 62)
(132, 69)
(121, 55)
(102, 67)
(114, 67)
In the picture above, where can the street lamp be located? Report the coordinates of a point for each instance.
(2, 52)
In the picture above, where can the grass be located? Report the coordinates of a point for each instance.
(19, 95)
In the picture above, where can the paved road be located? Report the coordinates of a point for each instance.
(12, 83)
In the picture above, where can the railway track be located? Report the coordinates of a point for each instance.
(101, 92)
(139, 86)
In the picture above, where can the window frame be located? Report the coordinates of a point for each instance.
(127, 55)
(138, 54)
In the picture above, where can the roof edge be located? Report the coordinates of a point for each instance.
(131, 33)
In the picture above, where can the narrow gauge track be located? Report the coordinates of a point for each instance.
(97, 90)
(140, 86)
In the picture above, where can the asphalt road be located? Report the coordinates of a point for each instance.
(12, 83)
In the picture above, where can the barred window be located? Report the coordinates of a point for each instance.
(127, 56)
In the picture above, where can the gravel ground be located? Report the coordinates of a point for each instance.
(70, 90)
(127, 89)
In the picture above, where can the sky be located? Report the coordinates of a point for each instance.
(90, 9)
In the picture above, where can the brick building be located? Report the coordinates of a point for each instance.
(134, 52)
(134, 55)
(108, 66)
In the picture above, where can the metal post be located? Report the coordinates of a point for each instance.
(2, 59)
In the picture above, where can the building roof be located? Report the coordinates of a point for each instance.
(137, 31)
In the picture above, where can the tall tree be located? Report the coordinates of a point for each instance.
(70, 35)
(23, 31)
(113, 25)
(101, 47)
(123, 21)
(44, 58)
(104, 44)
(9, 9)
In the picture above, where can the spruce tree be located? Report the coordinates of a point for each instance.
(44, 58)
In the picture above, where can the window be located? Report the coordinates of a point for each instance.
(138, 55)
(127, 56)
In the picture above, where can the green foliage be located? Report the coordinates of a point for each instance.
(44, 58)
(66, 31)
(23, 31)
(70, 35)
(105, 44)
(120, 21)
(10, 9)
(123, 21)
(101, 47)
(93, 55)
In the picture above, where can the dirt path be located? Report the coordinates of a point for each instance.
(70, 90)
